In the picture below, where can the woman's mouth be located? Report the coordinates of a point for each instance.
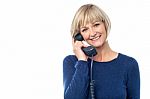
(96, 38)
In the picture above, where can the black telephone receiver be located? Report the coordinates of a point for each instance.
(90, 50)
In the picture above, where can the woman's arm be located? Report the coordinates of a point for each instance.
(75, 78)
(133, 82)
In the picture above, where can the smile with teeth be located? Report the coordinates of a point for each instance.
(96, 38)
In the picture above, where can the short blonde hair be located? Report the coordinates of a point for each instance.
(89, 13)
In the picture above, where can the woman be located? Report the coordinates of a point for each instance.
(114, 75)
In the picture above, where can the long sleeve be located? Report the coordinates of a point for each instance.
(133, 81)
(75, 78)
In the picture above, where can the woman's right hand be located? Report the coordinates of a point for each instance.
(77, 45)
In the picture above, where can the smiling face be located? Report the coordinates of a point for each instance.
(94, 33)
(94, 20)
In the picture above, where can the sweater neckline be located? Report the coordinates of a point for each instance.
(111, 61)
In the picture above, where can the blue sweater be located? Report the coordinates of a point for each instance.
(115, 79)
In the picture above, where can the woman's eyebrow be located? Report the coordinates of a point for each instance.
(96, 22)
(83, 27)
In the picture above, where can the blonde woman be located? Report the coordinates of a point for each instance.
(106, 75)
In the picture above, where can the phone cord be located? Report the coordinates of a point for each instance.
(92, 82)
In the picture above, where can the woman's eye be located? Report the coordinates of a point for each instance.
(83, 30)
(97, 24)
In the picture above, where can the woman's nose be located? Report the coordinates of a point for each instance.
(92, 32)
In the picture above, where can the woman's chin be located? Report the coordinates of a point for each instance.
(97, 45)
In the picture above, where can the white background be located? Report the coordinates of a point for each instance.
(35, 37)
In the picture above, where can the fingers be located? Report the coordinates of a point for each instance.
(85, 44)
(77, 45)
(73, 41)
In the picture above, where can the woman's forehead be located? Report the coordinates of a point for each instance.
(86, 22)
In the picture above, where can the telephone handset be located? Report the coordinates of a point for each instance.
(90, 50)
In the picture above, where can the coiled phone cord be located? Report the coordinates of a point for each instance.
(92, 81)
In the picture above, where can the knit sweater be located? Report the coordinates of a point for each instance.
(115, 79)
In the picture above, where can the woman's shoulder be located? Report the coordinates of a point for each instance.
(70, 58)
(131, 65)
(128, 58)
(128, 61)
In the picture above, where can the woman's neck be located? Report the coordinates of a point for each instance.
(105, 53)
